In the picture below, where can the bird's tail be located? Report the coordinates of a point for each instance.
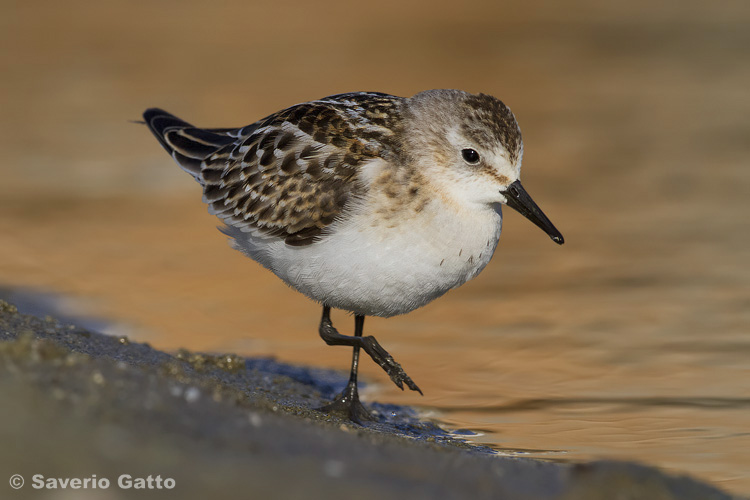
(188, 145)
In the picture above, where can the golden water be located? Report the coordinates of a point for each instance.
(632, 341)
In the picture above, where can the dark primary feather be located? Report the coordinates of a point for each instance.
(187, 144)
(291, 173)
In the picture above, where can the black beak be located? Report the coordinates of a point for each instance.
(520, 201)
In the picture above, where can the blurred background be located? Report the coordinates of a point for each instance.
(629, 342)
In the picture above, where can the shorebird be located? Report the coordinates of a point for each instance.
(366, 202)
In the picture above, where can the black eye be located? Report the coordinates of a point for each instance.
(470, 156)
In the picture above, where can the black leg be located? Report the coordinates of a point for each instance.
(348, 400)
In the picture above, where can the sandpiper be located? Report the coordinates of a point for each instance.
(366, 202)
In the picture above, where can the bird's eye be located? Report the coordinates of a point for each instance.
(470, 156)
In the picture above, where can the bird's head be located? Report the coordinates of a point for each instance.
(473, 145)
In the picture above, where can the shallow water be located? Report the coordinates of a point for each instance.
(631, 341)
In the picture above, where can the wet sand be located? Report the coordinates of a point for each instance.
(85, 404)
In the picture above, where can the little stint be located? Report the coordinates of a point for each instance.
(365, 202)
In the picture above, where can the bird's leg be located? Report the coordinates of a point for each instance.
(332, 337)
(349, 399)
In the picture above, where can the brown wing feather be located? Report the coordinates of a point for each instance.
(292, 173)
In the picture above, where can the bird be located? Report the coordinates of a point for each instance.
(366, 202)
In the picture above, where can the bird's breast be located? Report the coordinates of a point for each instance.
(377, 263)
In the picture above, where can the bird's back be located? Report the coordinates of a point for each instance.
(290, 174)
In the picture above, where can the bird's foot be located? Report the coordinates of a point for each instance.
(347, 405)
(387, 363)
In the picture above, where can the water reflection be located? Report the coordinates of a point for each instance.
(608, 404)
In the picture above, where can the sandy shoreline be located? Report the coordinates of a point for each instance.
(86, 404)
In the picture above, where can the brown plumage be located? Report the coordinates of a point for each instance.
(291, 173)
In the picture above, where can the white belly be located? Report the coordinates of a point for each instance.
(376, 269)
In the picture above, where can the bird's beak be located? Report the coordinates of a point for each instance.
(520, 201)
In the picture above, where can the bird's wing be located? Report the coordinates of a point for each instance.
(291, 173)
